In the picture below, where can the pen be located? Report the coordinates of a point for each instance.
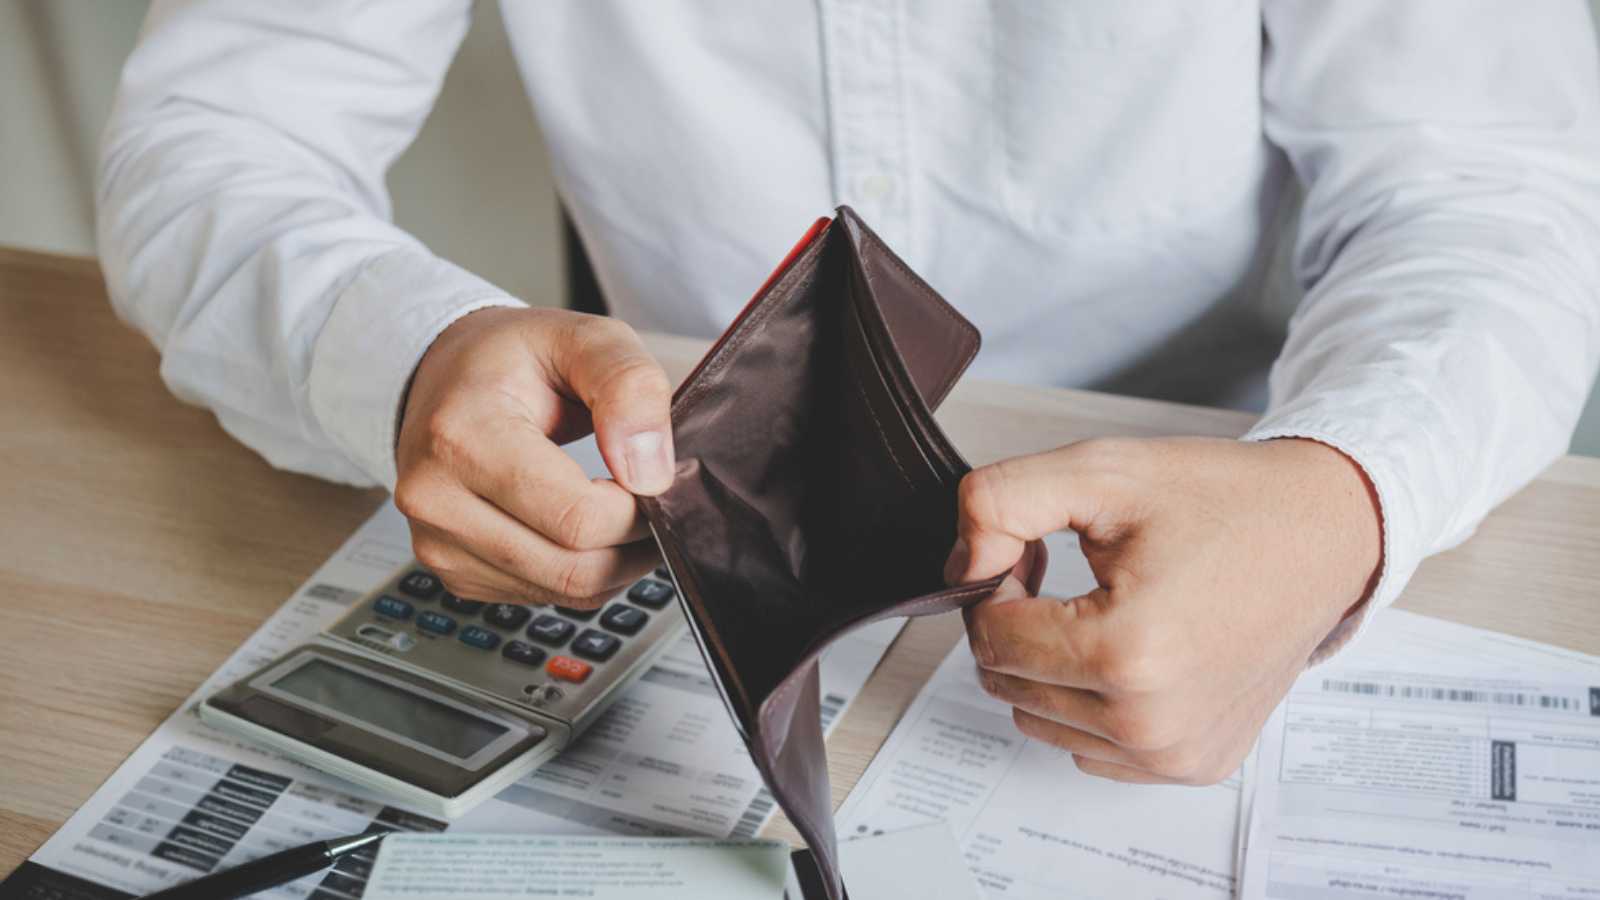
(269, 871)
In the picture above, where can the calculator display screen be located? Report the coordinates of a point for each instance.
(393, 709)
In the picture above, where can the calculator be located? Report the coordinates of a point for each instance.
(440, 701)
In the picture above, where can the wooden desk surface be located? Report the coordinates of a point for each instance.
(139, 544)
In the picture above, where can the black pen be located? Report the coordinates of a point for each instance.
(269, 871)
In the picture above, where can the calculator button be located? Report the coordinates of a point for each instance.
(456, 604)
(482, 638)
(438, 623)
(393, 607)
(595, 645)
(551, 630)
(523, 652)
(507, 615)
(624, 619)
(654, 594)
(582, 615)
(662, 573)
(395, 640)
(419, 584)
(568, 669)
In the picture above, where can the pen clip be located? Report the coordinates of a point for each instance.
(341, 846)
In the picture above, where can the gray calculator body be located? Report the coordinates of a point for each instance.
(440, 702)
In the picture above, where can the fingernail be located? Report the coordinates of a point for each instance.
(955, 568)
(649, 458)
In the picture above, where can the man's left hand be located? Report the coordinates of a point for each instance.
(1221, 566)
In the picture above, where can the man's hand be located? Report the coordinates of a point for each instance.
(497, 509)
(1221, 566)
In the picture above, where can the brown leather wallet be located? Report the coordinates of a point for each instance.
(814, 493)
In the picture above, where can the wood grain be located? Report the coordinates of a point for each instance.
(139, 544)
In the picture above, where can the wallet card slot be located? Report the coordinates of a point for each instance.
(914, 412)
(929, 339)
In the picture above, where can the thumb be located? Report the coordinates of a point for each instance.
(603, 362)
(1007, 505)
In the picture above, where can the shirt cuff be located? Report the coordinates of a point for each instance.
(380, 326)
(1401, 550)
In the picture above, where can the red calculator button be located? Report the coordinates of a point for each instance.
(568, 669)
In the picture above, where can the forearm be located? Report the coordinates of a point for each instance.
(243, 224)
(1450, 247)
(1451, 366)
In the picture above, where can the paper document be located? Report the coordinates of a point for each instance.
(1468, 768)
(1030, 825)
(665, 760)
(915, 864)
(516, 867)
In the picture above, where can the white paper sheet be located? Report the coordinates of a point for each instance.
(915, 864)
(1032, 826)
(664, 760)
(515, 867)
(1435, 761)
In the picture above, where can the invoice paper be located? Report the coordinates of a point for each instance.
(664, 760)
(1030, 825)
(1471, 770)
(516, 867)
(921, 863)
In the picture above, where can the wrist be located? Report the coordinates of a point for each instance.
(1344, 503)
(453, 340)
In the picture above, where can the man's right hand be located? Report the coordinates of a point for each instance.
(497, 509)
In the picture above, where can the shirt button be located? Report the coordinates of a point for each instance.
(877, 187)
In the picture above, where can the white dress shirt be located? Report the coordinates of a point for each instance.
(1093, 183)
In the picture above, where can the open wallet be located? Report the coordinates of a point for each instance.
(814, 494)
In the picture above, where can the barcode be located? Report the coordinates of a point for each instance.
(1451, 695)
(831, 706)
(755, 815)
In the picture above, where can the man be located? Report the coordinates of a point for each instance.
(1092, 183)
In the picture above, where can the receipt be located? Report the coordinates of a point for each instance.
(915, 864)
(1469, 771)
(518, 867)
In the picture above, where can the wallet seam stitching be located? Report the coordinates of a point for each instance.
(786, 687)
(944, 309)
(915, 410)
(766, 308)
(883, 436)
(939, 303)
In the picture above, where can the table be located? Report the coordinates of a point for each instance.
(139, 544)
